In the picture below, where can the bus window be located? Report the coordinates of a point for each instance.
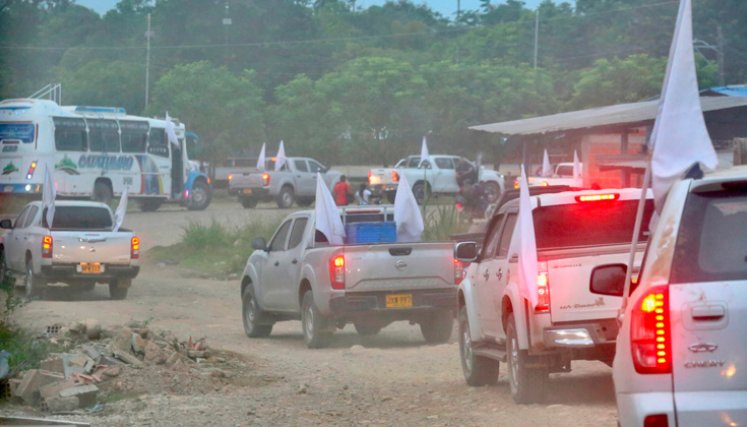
(134, 136)
(23, 132)
(103, 135)
(157, 143)
(69, 134)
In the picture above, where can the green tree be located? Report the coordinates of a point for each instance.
(98, 82)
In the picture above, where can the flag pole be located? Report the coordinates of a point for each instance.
(636, 233)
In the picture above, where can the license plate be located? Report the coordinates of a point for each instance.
(247, 191)
(90, 267)
(399, 301)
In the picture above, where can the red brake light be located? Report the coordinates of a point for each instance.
(658, 420)
(135, 247)
(337, 272)
(458, 271)
(543, 289)
(47, 245)
(597, 197)
(265, 179)
(369, 174)
(395, 176)
(516, 184)
(649, 332)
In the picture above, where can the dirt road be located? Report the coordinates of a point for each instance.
(391, 379)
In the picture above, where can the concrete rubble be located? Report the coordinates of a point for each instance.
(68, 381)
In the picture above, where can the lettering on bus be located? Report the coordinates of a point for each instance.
(106, 162)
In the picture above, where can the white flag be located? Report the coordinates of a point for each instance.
(546, 168)
(280, 159)
(327, 214)
(261, 159)
(49, 194)
(679, 138)
(576, 166)
(527, 244)
(171, 131)
(407, 215)
(121, 210)
(424, 149)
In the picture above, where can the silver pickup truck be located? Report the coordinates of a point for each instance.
(298, 275)
(80, 249)
(295, 182)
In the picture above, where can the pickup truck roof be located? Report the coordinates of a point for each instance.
(570, 197)
(81, 203)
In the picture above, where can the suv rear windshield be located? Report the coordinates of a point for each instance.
(589, 224)
(79, 218)
(711, 245)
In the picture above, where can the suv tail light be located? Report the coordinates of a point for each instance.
(658, 420)
(395, 176)
(135, 247)
(458, 271)
(543, 289)
(47, 244)
(649, 332)
(265, 179)
(337, 272)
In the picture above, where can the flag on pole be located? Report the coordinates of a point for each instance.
(280, 159)
(121, 210)
(576, 166)
(407, 215)
(527, 244)
(424, 149)
(49, 194)
(171, 131)
(327, 214)
(546, 168)
(679, 138)
(261, 159)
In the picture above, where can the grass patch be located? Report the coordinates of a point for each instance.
(214, 249)
(442, 222)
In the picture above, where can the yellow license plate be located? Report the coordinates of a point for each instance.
(247, 191)
(399, 301)
(90, 267)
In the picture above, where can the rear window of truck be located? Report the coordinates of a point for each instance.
(589, 224)
(711, 243)
(79, 218)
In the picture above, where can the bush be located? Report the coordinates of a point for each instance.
(442, 222)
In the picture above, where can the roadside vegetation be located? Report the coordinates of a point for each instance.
(442, 222)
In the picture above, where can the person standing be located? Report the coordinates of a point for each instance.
(363, 196)
(341, 191)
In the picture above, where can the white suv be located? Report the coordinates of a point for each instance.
(682, 348)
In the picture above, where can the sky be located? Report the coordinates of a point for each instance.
(445, 7)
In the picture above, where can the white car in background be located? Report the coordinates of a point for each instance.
(682, 349)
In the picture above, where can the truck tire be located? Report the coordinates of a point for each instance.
(527, 384)
(118, 288)
(102, 192)
(200, 198)
(366, 329)
(316, 333)
(253, 317)
(436, 329)
(285, 197)
(421, 191)
(477, 370)
(150, 205)
(33, 285)
(248, 202)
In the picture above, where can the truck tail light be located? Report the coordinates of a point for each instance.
(32, 169)
(516, 184)
(649, 332)
(458, 271)
(135, 247)
(586, 198)
(543, 289)
(337, 272)
(47, 244)
(658, 420)
(265, 179)
(395, 176)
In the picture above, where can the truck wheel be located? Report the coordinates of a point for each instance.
(316, 333)
(102, 192)
(285, 198)
(421, 192)
(527, 384)
(436, 329)
(118, 288)
(33, 285)
(366, 329)
(150, 205)
(478, 370)
(248, 202)
(252, 314)
(200, 196)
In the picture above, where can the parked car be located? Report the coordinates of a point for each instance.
(562, 175)
(681, 349)
(583, 243)
(371, 281)
(80, 249)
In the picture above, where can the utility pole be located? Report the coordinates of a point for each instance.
(459, 10)
(536, 34)
(226, 23)
(721, 54)
(148, 35)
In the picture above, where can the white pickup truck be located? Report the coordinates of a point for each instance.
(562, 175)
(80, 249)
(583, 247)
(435, 175)
(295, 182)
(298, 275)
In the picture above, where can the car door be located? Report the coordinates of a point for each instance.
(273, 268)
(305, 184)
(17, 238)
(292, 260)
(485, 281)
(500, 280)
(708, 309)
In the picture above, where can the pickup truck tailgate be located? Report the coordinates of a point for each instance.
(71, 247)
(247, 180)
(400, 266)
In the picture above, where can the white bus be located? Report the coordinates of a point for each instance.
(96, 152)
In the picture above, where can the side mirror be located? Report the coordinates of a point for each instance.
(6, 223)
(259, 244)
(466, 251)
(609, 280)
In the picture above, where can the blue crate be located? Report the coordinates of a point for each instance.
(371, 232)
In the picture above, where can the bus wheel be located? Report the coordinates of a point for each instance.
(102, 192)
(200, 197)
